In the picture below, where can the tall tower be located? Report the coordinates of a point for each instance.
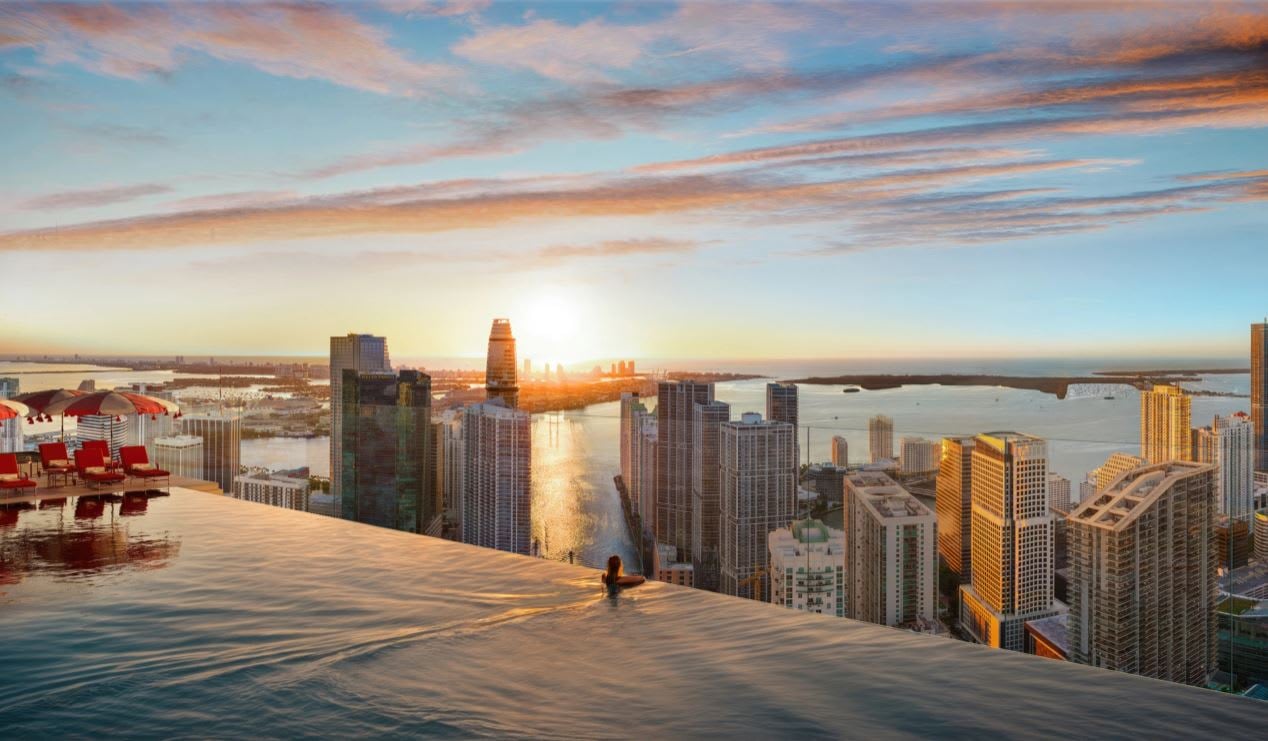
(675, 446)
(1013, 537)
(1166, 430)
(388, 479)
(1229, 444)
(1259, 392)
(632, 409)
(892, 558)
(758, 495)
(840, 451)
(363, 353)
(497, 498)
(1143, 580)
(500, 381)
(222, 445)
(880, 438)
(954, 505)
(706, 466)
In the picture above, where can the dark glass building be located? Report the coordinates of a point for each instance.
(387, 477)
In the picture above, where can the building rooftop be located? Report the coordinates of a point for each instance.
(1132, 493)
(1250, 581)
(197, 614)
(1053, 629)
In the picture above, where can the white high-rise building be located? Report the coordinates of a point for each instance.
(146, 428)
(642, 486)
(632, 409)
(880, 438)
(104, 427)
(277, 491)
(497, 483)
(1229, 443)
(840, 452)
(179, 455)
(892, 561)
(10, 429)
(807, 567)
(222, 444)
(759, 494)
(1013, 536)
(918, 455)
(362, 353)
(1059, 491)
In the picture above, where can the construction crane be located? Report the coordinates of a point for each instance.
(754, 584)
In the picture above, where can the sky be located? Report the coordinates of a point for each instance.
(765, 180)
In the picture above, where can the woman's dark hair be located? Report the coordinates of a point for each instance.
(614, 569)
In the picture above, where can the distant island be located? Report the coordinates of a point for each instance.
(1057, 385)
(1184, 372)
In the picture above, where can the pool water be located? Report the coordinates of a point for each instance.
(197, 615)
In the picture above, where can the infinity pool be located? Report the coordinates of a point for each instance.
(198, 615)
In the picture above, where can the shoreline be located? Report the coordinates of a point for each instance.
(1058, 386)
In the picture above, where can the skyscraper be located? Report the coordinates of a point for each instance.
(1165, 426)
(781, 404)
(497, 488)
(180, 455)
(840, 451)
(880, 438)
(1228, 444)
(1143, 580)
(918, 455)
(277, 491)
(758, 494)
(1013, 539)
(675, 446)
(106, 427)
(1114, 466)
(388, 478)
(954, 505)
(10, 429)
(642, 485)
(1259, 391)
(705, 507)
(892, 556)
(632, 408)
(500, 381)
(807, 567)
(362, 353)
(222, 445)
(1059, 491)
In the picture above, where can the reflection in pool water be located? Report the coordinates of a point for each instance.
(76, 537)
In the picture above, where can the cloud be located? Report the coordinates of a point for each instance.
(953, 203)
(91, 197)
(748, 34)
(621, 248)
(303, 41)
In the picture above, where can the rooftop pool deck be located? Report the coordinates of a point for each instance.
(198, 615)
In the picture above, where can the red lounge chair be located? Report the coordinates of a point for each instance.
(56, 462)
(92, 468)
(10, 478)
(103, 447)
(136, 463)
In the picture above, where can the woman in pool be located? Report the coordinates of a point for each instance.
(615, 581)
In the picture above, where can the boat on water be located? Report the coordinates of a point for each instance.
(1109, 398)
(851, 390)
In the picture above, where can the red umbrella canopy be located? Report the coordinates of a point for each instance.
(10, 409)
(41, 400)
(108, 403)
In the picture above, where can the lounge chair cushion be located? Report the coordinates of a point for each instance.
(142, 466)
(59, 463)
(8, 477)
(95, 469)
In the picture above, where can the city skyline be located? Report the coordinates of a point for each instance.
(319, 165)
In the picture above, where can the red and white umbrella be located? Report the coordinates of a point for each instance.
(11, 409)
(111, 404)
(39, 401)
